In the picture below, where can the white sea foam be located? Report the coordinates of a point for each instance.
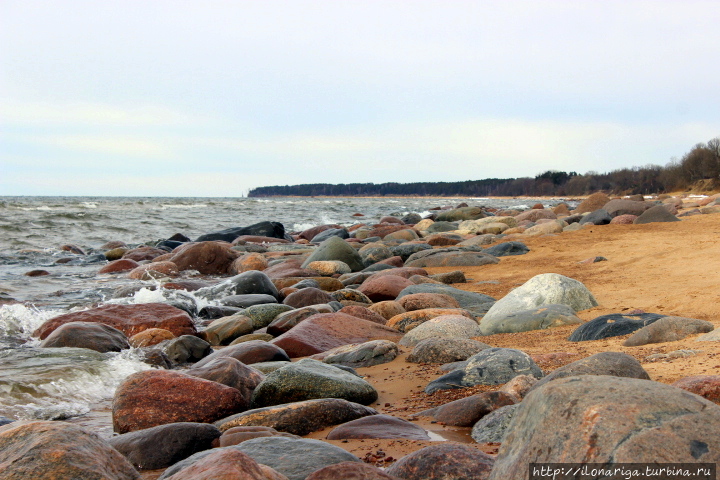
(165, 206)
(60, 382)
(19, 322)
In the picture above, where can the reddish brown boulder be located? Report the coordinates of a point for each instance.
(594, 202)
(535, 215)
(444, 462)
(306, 297)
(231, 372)
(364, 313)
(623, 220)
(129, 319)
(58, 451)
(247, 262)
(236, 435)
(227, 464)
(158, 397)
(208, 258)
(151, 336)
(395, 261)
(310, 233)
(378, 426)
(350, 471)
(94, 336)
(324, 331)
(254, 351)
(154, 270)
(288, 269)
(187, 285)
(467, 411)
(405, 272)
(707, 386)
(384, 230)
(419, 301)
(144, 253)
(387, 309)
(122, 265)
(385, 287)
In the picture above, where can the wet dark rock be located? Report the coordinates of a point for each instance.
(330, 232)
(95, 336)
(162, 446)
(247, 300)
(598, 217)
(612, 325)
(187, 348)
(252, 282)
(265, 229)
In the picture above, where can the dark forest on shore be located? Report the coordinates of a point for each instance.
(699, 168)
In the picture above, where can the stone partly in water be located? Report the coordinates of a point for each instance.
(95, 336)
(310, 379)
(444, 462)
(58, 451)
(157, 397)
(129, 319)
(577, 420)
(164, 445)
(299, 418)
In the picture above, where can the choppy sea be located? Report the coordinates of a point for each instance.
(43, 383)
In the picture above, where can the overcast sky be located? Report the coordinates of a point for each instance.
(213, 98)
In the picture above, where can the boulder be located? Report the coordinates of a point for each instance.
(407, 321)
(493, 426)
(463, 213)
(306, 297)
(378, 426)
(419, 301)
(230, 372)
(507, 249)
(626, 207)
(707, 386)
(491, 366)
(143, 253)
(444, 326)
(263, 315)
(162, 446)
(623, 220)
(157, 397)
(350, 471)
(450, 257)
(612, 325)
(383, 287)
(364, 313)
(220, 464)
(299, 418)
(328, 268)
(374, 352)
(285, 321)
(445, 350)
(208, 258)
(387, 309)
(129, 319)
(657, 213)
(187, 348)
(543, 289)
(247, 300)
(149, 337)
(58, 451)
(226, 329)
(597, 217)
(546, 316)
(324, 331)
(95, 336)
(373, 253)
(330, 232)
(121, 265)
(444, 462)
(604, 363)
(467, 300)
(312, 232)
(577, 420)
(154, 270)
(252, 282)
(248, 262)
(592, 203)
(335, 248)
(295, 458)
(254, 351)
(467, 411)
(236, 435)
(668, 329)
(263, 229)
(310, 379)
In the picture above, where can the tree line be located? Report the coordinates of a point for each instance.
(700, 164)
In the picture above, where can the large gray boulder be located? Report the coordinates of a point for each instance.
(668, 329)
(543, 289)
(335, 248)
(492, 366)
(309, 379)
(252, 282)
(540, 318)
(608, 420)
(444, 326)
